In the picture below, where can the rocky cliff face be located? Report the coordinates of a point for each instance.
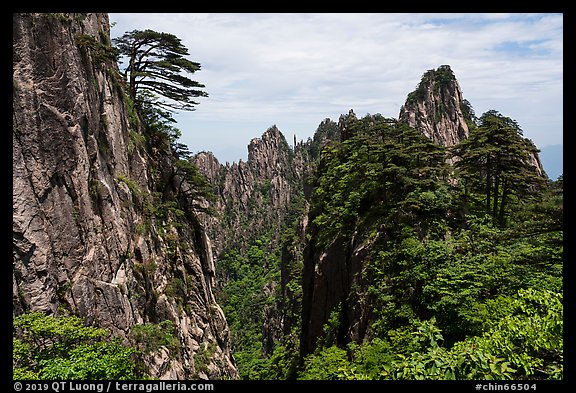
(437, 109)
(258, 199)
(253, 196)
(85, 238)
(328, 278)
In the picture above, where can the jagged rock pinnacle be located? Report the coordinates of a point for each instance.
(436, 108)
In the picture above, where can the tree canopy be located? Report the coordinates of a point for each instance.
(157, 66)
(459, 285)
(495, 162)
(48, 347)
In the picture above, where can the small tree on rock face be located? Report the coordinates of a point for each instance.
(156, 64)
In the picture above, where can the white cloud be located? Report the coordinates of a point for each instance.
(294, 70)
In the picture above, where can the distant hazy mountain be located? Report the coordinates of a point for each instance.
(552, 160)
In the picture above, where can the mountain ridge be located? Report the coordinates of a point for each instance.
(436, 109)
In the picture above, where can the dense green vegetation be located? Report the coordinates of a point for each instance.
(522, 337)
(244, 298)
(464, 275)
(46, 347)
(498, 152)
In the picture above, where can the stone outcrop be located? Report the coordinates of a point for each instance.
(534, 158)
(261, 196)
(87, 237)
(436, 108)
(253, 196)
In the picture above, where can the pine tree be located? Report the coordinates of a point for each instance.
(157, 66)
(495, 162)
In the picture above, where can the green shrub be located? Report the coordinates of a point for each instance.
(48, 347)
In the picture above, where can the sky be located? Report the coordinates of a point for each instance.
(294, 70)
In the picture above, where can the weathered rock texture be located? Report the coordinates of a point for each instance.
(259, 197)
(329, 276)
(85, 240)
(253, 196)
(435, 108)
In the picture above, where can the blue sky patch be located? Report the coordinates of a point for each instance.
(523, 48)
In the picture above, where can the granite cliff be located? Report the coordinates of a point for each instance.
(436, 108)
(92, 233)
(253, 196)
(102, 229)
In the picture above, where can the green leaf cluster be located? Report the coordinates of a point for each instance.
(150, 337)
(48, 347)
(494, 165)
(101, 52)
(384, 174)
(525, 342)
